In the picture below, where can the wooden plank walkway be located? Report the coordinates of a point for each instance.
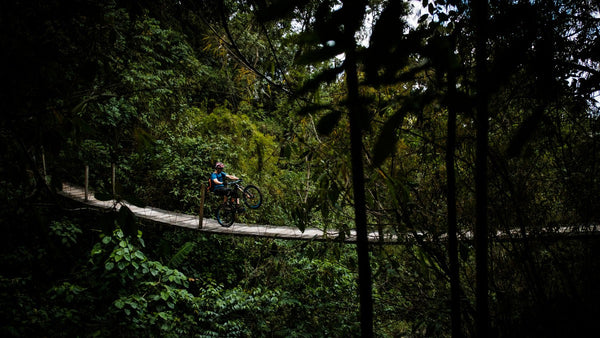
(212, 226)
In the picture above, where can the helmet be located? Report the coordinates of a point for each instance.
(219, 165)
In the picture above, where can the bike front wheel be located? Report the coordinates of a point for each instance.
(225, 215)
(252, 197)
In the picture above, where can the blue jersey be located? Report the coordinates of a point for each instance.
(220, 177)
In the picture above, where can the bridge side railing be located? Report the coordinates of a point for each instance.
(113, 186)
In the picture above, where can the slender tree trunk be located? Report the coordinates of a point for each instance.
(451, 200)
(44, 173)
(360, 214)
(86, 181)
(480, 12)
(113, 178)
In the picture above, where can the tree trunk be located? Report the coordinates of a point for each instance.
(480, 12)
(451, 200)
(360, 214)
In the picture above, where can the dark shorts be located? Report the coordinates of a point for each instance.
(223, 191)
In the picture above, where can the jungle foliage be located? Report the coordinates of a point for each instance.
(471, 118)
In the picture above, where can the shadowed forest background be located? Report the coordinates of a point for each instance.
(472, 132)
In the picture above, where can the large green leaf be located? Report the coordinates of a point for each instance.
(181, 254)
(386, 142)
(128, 221)
(323, 77)
(524, 133)
(328, 122)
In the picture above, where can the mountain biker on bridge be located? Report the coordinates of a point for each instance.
(218, 180)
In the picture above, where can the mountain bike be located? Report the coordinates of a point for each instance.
(250, 195)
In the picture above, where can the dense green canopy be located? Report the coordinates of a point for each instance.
(480, 119)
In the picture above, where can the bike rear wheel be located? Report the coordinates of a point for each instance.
(225, 215)
(252, 197)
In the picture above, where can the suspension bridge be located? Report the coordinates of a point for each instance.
(210, 225)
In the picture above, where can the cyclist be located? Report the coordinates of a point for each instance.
(218, 179)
